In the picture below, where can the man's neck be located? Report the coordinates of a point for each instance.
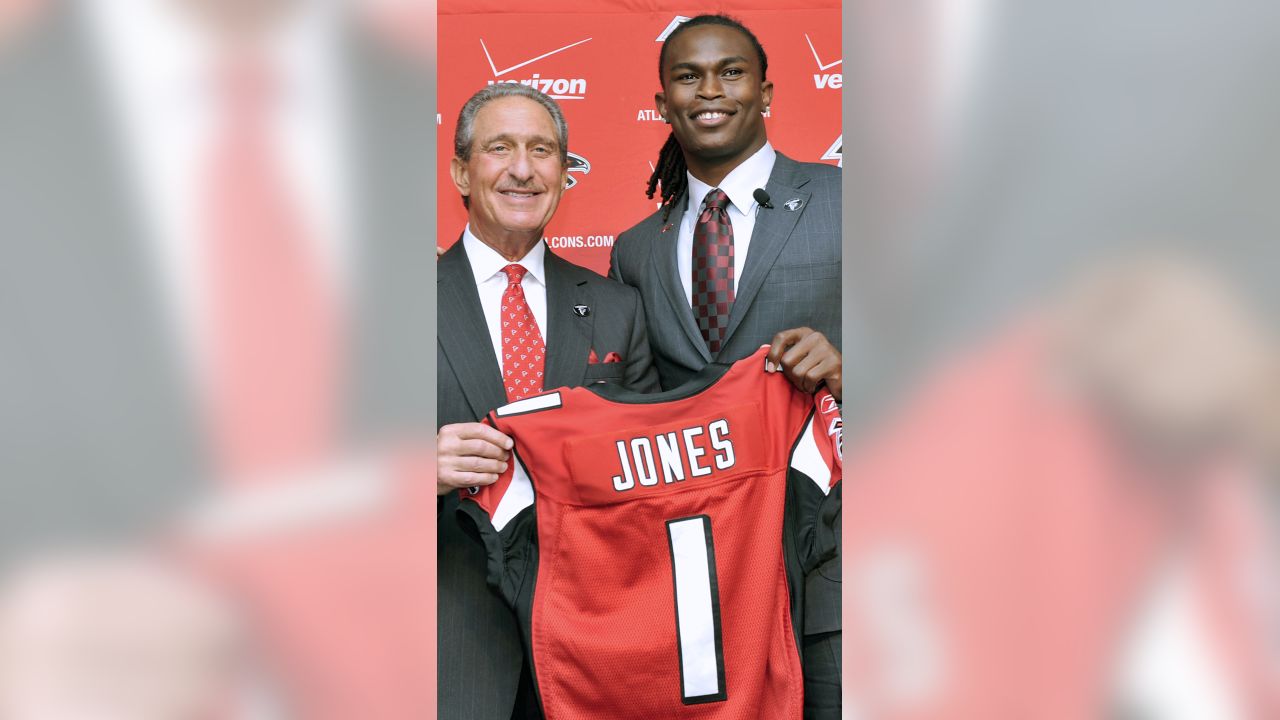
(713, 171)
(512, 249)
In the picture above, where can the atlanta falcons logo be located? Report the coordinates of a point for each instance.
(577, 164)
(836, 151)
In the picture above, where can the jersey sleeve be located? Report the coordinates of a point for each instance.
(815, 469)
(817, 453)
(503, 516)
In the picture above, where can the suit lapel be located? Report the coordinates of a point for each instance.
(773, 229)
(568, 336)
(464, 334)
(664, 258)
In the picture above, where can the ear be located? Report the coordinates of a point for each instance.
(660, 99)
(461, 176)
(766, 92)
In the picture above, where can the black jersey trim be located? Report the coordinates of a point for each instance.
(703, 380)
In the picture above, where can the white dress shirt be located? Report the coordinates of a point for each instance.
(491, 283)
(158, 66)
(739, 185)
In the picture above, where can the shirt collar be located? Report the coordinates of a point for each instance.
(486, 262)
(740, 183)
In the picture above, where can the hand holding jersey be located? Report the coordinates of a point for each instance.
(808, 359)
(469, 455)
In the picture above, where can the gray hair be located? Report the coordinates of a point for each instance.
(465, 133)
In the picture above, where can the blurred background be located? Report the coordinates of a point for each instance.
(1061, 241)
(217, 319)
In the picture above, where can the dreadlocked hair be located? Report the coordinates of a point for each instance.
(670, 170)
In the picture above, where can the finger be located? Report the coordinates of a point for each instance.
(481, 448)
(457, 480)
(781, 342)
(808, 345)
(832, 374)
(480, 465)
(804, 374)
(480, 431)
(457, 462)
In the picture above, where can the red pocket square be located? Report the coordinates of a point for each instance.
(592, 359)
(612, 357)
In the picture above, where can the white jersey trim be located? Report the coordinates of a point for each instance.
(807, 458)
(519, 495)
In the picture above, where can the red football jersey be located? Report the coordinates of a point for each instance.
(647, 541)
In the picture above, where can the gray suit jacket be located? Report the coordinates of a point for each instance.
(791, 279)
(99, 435)
(478, 642)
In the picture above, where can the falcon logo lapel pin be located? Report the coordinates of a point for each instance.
(793, 204)
(581, 310)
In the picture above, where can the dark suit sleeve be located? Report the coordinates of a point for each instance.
(615, 269)
(641, 374)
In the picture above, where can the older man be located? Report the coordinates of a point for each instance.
(513, 319)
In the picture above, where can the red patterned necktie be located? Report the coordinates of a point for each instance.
(523, 353)
(713, 269)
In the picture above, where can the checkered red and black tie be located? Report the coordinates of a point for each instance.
(523, 353)
(713, 269)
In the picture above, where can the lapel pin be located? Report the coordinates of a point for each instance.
(793, 204)
(666, 227)
(581, 310)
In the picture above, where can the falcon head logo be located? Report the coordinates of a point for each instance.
(836, 151)
(577, 164)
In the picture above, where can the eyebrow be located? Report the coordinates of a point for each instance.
(533, 140)
(686, 65)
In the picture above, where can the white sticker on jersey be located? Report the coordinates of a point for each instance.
(519, 495)
(807, 458)
(538, 402)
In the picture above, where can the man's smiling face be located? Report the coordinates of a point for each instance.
(714, 95)
(514, 177)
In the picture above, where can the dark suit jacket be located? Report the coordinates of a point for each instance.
(791, 279)
(478, 644)
(98, 433)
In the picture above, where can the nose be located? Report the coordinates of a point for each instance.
(521, 166)
(710, 87)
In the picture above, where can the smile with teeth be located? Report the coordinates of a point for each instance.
(520, 194)
(709, 115)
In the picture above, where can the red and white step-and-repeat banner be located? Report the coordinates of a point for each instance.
(599, 60)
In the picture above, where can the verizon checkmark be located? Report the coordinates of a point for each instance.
(500, 73)
(816, 59)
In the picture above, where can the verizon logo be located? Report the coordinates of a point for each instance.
(822, 78)
(557, 87)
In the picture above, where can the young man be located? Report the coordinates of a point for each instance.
(744, 251)
(721, 267)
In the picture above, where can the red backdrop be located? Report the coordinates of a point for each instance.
(601, 64)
